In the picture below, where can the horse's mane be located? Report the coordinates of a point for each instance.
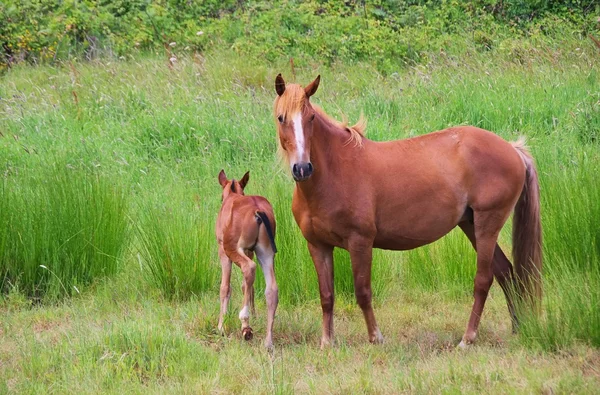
(293, 100)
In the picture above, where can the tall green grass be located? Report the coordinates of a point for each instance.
(60, 229)
(178, 249)
(570, 212)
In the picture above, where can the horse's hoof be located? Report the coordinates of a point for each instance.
(378, 338)
(326, 343)
(247, 333)
(463, 345)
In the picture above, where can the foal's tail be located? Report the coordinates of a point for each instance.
(262, 218)
(527, 233)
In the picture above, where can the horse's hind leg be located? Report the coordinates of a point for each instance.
(265, 257)
(501, 267)
(250, 255)
(225, 292)
(249, 270)
(503, 271)
(487, 228)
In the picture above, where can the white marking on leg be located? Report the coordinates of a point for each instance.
(244, 313)
(299, 134)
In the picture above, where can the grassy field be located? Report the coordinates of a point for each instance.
(109, 196)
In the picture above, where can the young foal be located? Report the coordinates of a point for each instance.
(245, 225)
(359, 194)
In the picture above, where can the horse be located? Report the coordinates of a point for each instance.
(246, 224)
(358, 194)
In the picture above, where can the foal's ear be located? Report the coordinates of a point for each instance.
(245, 180)
(279, 84)
(312, 87)
(222, 178)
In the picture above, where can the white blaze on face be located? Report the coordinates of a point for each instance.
(299, 134)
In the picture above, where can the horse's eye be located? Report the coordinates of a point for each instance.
(312, 117)
(280, 118)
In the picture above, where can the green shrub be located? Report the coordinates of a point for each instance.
(387, 33)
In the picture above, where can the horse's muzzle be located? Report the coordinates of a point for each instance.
(302, 171)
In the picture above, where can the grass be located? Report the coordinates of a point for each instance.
(146, 143)
(111, 342)
(173, 242)
(61, 229)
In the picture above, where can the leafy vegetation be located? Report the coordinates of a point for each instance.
(390, 34)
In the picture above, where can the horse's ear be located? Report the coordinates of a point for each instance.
(279, 84)
(245, 180)
(312, 87)
(222, 178)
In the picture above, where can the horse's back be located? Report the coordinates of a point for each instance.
(488, 168)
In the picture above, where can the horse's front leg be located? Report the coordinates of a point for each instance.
(322, 256)
(361, 255)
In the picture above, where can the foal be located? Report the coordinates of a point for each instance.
(246, 224)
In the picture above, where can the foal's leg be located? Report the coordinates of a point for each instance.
(250, 256)
(265, 257)
(225, 292)
(361, 255)
(487, 228)
(502, 269)
(322, 256)
(249, 270)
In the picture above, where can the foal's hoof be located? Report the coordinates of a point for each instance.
(247, 333)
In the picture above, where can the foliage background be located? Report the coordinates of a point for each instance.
(388, 33)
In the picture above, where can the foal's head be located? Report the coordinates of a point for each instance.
(232, 186)
(294, 116)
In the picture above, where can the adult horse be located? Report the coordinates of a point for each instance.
(359, 194)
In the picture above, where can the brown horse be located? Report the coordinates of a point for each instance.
(246, 224)
(359, 194)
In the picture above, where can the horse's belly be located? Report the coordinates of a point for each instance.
(399, 243)
(405, 232)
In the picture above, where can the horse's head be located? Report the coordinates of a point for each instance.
(232, 186)
(294, 117)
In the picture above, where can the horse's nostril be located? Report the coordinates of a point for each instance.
(310, 167)
(295, 169)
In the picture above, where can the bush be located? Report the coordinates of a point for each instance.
(386, 33)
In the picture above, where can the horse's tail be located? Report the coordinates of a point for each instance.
(262, 218)
(527, 233)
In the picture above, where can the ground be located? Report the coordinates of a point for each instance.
(141, 343)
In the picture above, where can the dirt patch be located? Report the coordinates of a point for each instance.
(591, 365)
